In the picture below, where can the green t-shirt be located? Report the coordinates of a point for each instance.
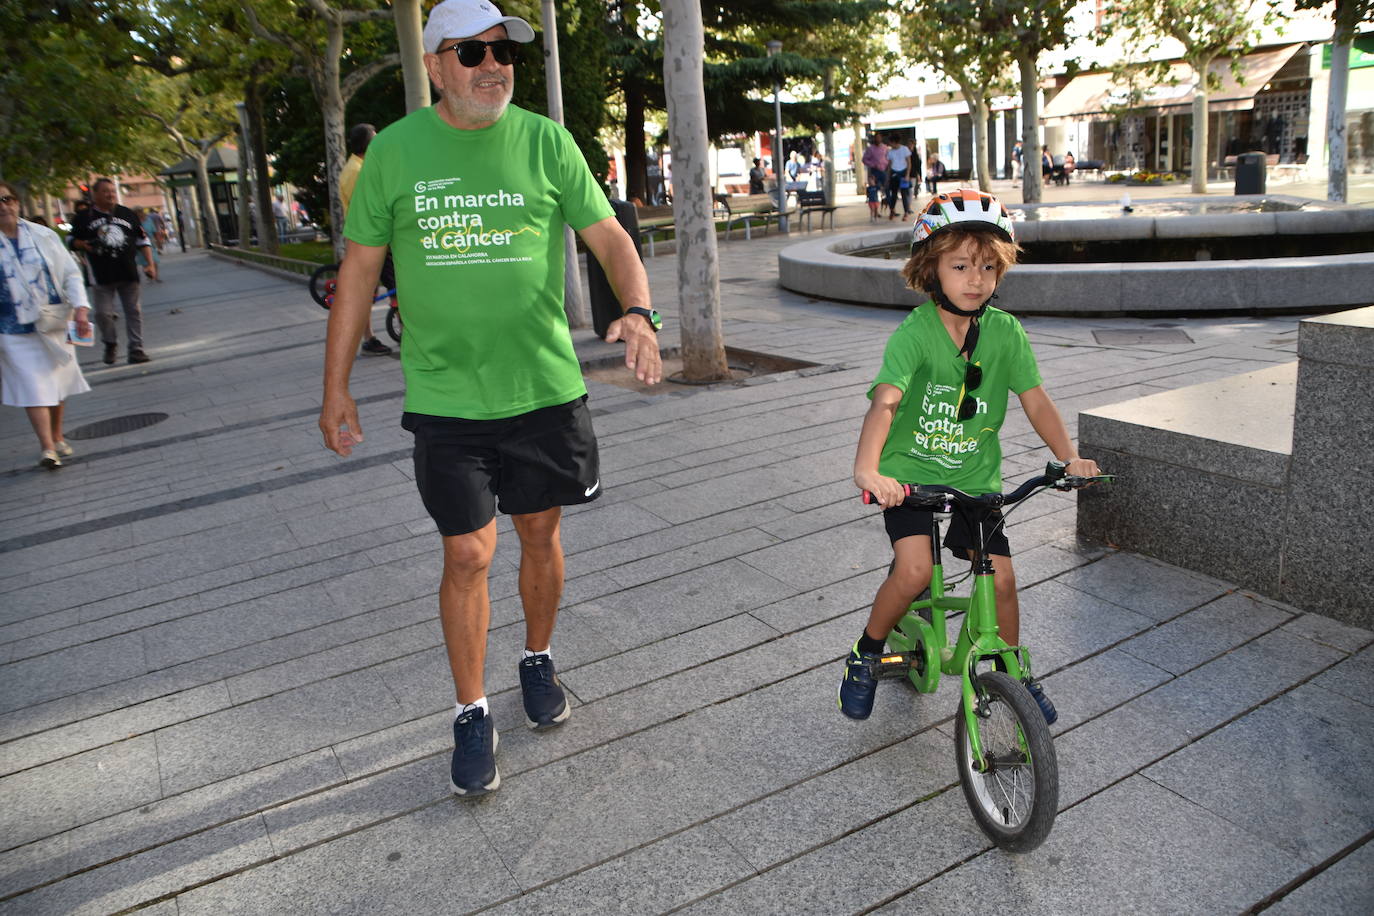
(475, 223)
(927, 443)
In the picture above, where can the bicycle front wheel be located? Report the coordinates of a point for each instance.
(322, 284)
(393, 323)
(1015, 801)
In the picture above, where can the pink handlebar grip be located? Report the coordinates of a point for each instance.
(869, 499)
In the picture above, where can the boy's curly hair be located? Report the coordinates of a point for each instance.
(919, 271)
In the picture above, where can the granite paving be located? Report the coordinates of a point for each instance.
(223, 687)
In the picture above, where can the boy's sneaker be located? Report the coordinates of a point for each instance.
(473, 771)
(375, 347)
(859, 686)
(1046, 707)
(545, 703)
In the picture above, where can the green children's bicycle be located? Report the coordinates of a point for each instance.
(1005, 754)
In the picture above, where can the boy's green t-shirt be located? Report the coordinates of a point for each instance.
(927, 443)
(475, 223)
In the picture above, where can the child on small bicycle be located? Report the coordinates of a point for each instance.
(938, 404)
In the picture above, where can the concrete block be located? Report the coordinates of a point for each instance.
(403, 866)
(1107, 863)
(128, 882)
(272, 729)
(56, 674)
(1313, 811)
(1352, 678)
(623, 671)
(57, 796)
(826, 556)
(65, 741)
(641, 615)
(1240, 427)
(1343, 888)
(1200, 635)
(861, 869)
(1143, 585)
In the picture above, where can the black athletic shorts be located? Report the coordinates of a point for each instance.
(905, 521)
(466, 469)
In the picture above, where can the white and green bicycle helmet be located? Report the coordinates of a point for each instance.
(967, 207)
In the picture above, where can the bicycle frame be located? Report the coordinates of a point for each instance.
(978, 635)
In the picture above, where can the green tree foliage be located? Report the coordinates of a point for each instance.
(738, 73)
(583, 52)
(965, 40)
(62, 114)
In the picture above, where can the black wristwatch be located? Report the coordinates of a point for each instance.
(650, 315)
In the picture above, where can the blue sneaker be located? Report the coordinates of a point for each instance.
(859, 686)
(545, 703)
(473, 771)
(1046, 707)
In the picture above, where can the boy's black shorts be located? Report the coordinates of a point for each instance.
(466, 469)
(905, 521)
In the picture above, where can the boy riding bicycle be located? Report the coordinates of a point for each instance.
(938, 404)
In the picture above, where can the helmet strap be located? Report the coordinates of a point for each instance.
(938, 294)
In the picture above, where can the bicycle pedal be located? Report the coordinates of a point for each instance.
(894, 664)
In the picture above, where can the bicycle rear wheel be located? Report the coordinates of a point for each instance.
(322, 284)
(393, 323)
(1016, 800)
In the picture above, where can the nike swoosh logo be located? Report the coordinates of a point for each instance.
(592, 489)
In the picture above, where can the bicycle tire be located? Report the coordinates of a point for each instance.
(1015, 803)
(393, 324)
(319, 280)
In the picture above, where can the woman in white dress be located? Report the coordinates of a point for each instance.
(41, 287)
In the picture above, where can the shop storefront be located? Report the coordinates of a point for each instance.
(1266, 107)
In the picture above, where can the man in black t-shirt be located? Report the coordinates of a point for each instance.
(110, 236)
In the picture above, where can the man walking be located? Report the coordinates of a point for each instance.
(472, 195)
(110, 236)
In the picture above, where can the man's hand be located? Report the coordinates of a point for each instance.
(339, 423)
(641, 347)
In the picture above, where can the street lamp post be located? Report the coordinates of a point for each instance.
(774, 47)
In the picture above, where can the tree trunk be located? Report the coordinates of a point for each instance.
(1201, 154)
(208, 217)
(331, 102)
(1031, 181)
(978, 102)
(698, 268)
(1335, 115)
(409, 36)
(856, 154)
(262, 184)
(829, 135)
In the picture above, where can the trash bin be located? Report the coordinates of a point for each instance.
(605, 306)
(1250, 173)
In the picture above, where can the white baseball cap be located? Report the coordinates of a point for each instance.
(466, 18)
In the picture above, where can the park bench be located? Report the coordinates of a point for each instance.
(653, 221)
(749, 210)
(956, 175)
(811, 202)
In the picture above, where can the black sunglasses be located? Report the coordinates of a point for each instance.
(6, 199)
(973, 377)
(472, 52)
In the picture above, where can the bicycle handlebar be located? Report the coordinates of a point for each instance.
(925, 496)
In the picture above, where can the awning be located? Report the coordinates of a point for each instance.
(1097, 94)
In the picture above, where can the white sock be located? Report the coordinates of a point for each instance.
(464, 707)
(547, 653)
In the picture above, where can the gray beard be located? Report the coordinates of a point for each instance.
(473, 112)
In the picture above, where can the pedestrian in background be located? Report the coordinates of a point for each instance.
(110, 235)
(42, 287)
(359, 138)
